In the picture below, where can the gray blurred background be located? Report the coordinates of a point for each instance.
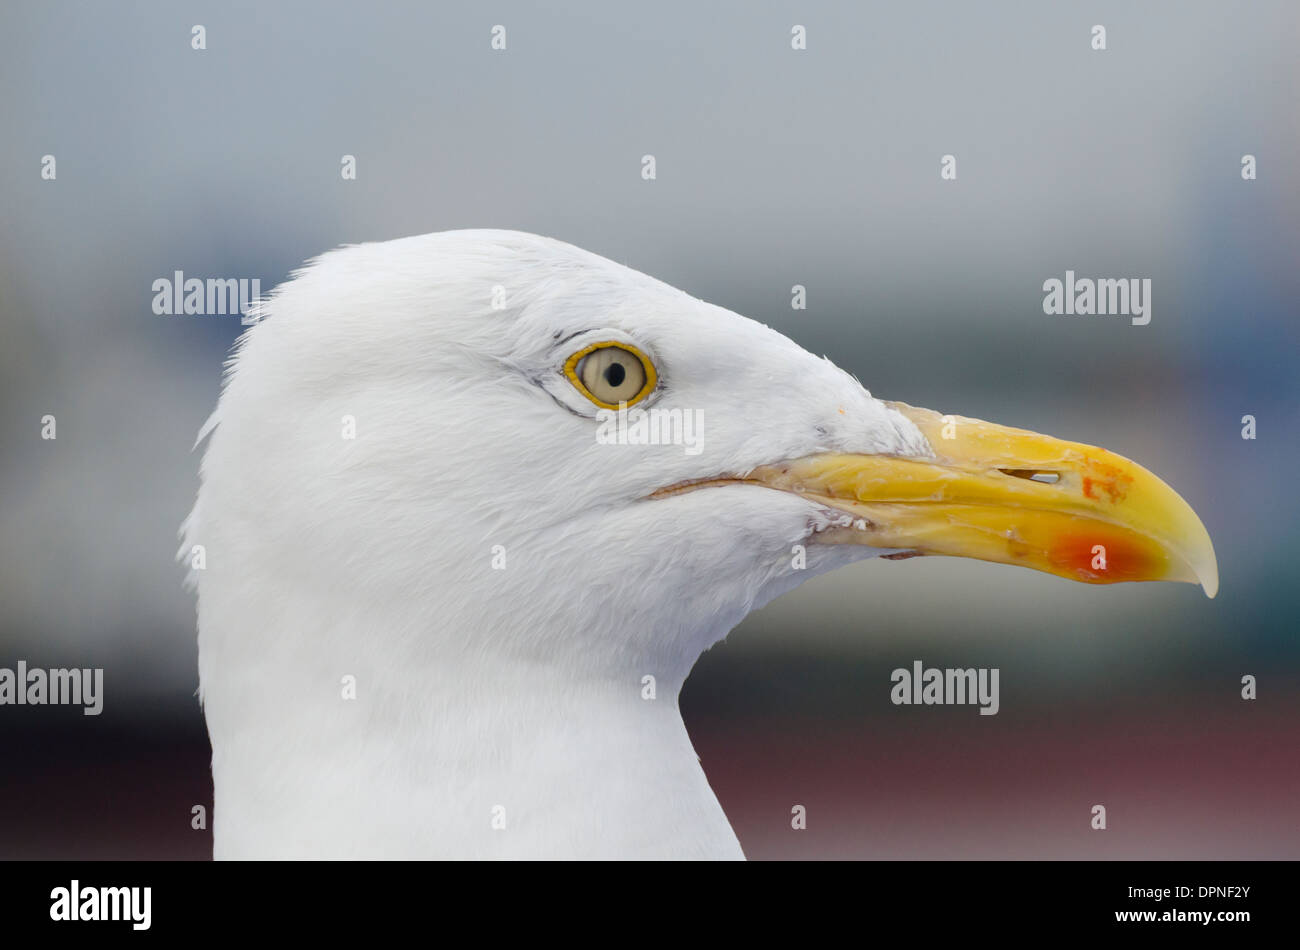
(775, 167)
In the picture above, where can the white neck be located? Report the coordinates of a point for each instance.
(454, 756)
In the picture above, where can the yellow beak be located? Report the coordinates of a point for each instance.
(1010, 496)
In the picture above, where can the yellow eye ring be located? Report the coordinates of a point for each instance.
(607, 394)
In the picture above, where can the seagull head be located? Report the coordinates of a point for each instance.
(499, 463)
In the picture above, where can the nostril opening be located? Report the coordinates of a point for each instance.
(1032, 474)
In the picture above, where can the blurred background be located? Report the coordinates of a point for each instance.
(775, 167)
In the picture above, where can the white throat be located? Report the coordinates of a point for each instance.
(344, 753)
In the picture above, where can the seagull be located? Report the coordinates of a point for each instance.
(458, 556)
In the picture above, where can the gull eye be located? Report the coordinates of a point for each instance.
(611, 373)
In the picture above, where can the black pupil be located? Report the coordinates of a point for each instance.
(615, 374)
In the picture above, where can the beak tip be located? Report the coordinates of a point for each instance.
(1205, 567)
(1204, 563)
